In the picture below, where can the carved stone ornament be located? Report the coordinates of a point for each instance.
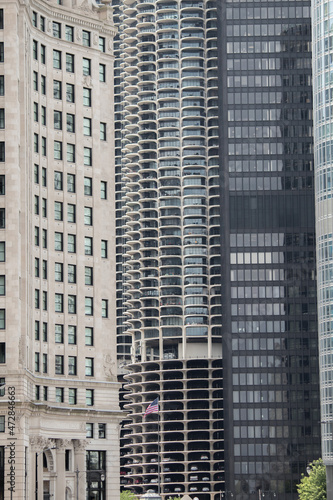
(80, 444)
(40, 443)
(109, 366)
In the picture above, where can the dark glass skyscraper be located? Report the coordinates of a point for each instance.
(270, 360)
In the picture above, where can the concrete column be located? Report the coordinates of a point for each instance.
(329, 481)
(80, 468)
(60, 468)
(39, 482)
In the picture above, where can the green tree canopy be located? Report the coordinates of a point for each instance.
(313, 485)
(127, 495)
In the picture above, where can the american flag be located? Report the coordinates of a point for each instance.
(152, 408)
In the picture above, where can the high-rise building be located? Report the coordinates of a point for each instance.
(59, 412)
(270, 361)
(322, 16)
(168, 246)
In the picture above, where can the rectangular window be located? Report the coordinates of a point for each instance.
(57, 119)
(59, 365)
(88, 186)
(89, 367)
(37, 299)
(70, 122)
(70, 153)
(2, 423)
(104, 249)
(72, 401)
(86, 38)
(59, 334)
(36, 267)
(2, 319)
(86, 97)
(70, 63)
(58, 210)
(44, 332)
(42, 54)
(44, 146)
(71, 243)
(37, 392)
(71, 304)
(35, 80)
(44, 238)
(71, 183)
(36, 143)
(86, 66)
(59, 395)
(37, 368)
(105, 308)
(44, 300)
(88, 216)
(71, 215)
(44, 177)
(59, 302)
(2, 185)
(34, 18)
(1, 19)
(72, 334)
(2, 218)
(35, 50)
(87, 126)
(35, 112)
(57, 150)
(43, 115)
(2, 251)
(69, 33)
(44, 207)
(102, 131)
(43, 84)
(56, 29)
(88, 275)
(37, 330)
(2, 52)
(58, 182)
(2, 85)
(72, 370)
(89, 336)
(58, 271)
(87, 157)
(103, 190)
(36, 173)
(89, 430)
(102, 431)
(57, 90)
(88, 245)
(71, 273)
(2, 284)
(44, 269)
(56, 59)
(42, 23)
(2, 151)
(36, 236)
(102, 73)
(89, 308)
(44, 363)
(70, 95)
(45, 393)
(58, 242)
(101, 43)
(90, 397)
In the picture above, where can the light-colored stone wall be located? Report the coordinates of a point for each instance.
(45, 423)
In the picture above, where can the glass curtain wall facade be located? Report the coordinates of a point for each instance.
(270, 361)
(168, 244)
(322, 16)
